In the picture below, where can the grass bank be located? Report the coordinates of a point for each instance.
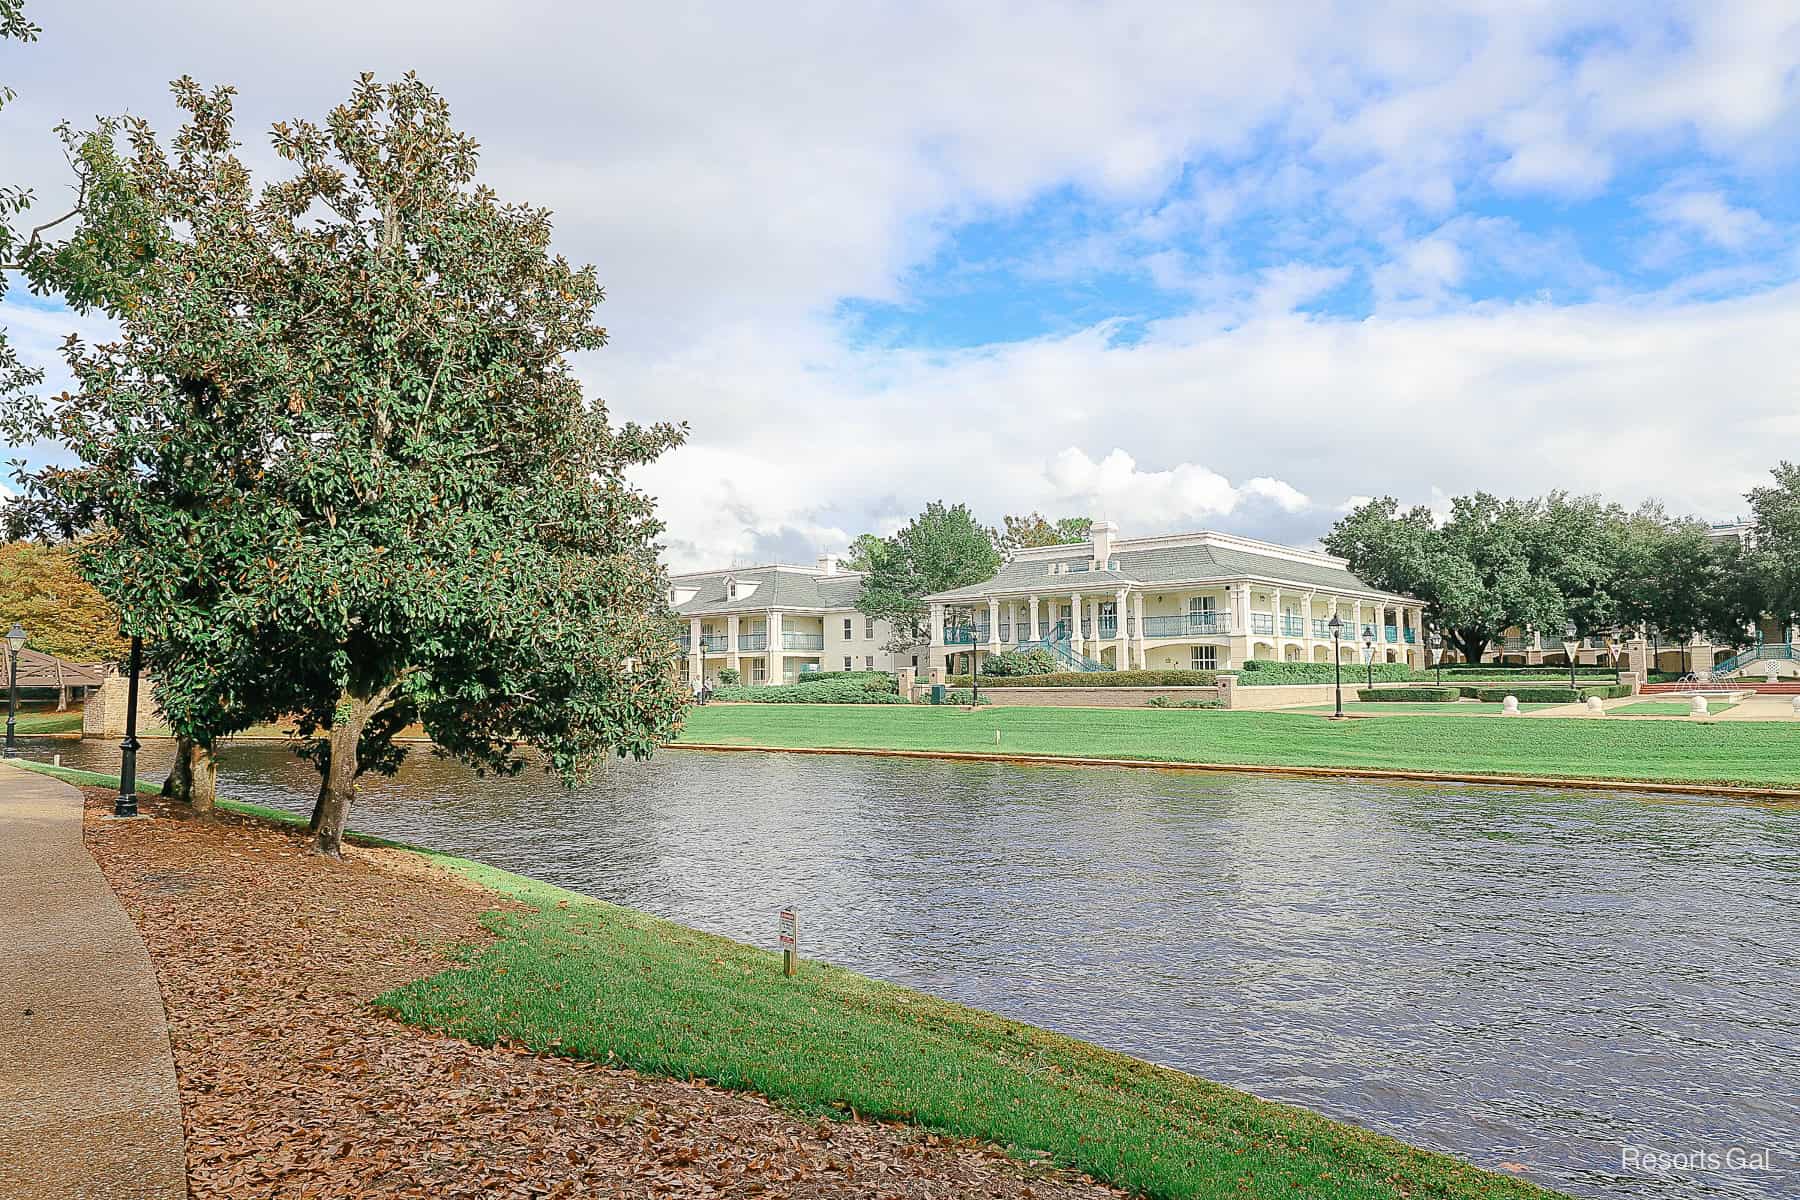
(49, 722)
(1743, 754)
(573, 976)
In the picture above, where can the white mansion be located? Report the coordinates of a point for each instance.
(1201, 600)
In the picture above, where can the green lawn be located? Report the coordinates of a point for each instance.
(1451, 708)
(49, 722)
(1764, 754)
(1669, 708)
(575, 976)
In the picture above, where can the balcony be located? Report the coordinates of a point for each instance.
(1262, 622)
(1204, 623)
(959, 635)
(1412, 635)
(713, 643)
(753, 641)
(1108, 628)
(1391, 632)
(802, 641)
(1292, 626)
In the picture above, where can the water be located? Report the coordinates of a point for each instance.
(1511, 975)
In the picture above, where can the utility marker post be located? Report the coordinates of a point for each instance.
(789, 930)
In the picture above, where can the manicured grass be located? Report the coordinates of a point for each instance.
(578, 977)
(1456, 708)
(48, 722)
(1765, 754)
(1669, 708)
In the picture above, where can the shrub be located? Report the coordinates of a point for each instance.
(1501, 671)
(1199, 704)
(1096, 679)
(1157, 702)
(1037, 661)
(1266, 672)
(1434, 695)
(963, 696)
(834, 692)
(730, 677)
(1542, 694)
(872, 679)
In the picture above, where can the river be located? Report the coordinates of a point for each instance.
(1512, 975)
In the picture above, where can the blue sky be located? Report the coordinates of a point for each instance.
(1191, 267)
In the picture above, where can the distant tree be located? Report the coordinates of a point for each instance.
(1033, 529)
(942, 548)
(1773, 557)
(862, 553)
(343, 469)
(64, 613)
(1477, 574)
(16, 250)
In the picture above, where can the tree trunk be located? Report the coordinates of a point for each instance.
(323, 763)
(203, 779)
(1470, 645)
(180, 783)
(339, 786)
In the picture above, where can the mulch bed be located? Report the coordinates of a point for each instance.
(292, 1086)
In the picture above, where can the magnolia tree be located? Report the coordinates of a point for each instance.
(344, 471)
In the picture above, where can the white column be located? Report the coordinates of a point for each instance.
(993, 623)
(1137, 612)
(776, 659)
(696, 655)
(731, 641)
(1309, 639)
(1075, 622)
(1121, 632)
(1280, 633)
(1012, 622)
(937, 626)
(1034, 619)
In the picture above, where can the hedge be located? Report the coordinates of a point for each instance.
(1266, 672)
(879, 680)
(833, 692)
(1013, 663)
(1537, 694)
(1494, 671)
(962, 696)
(1085, 679)
(1435, 695)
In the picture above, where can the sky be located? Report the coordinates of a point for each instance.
(1182, 266)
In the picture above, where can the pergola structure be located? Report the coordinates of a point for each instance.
(40, 670)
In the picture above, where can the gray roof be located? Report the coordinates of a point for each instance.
(778, 587)
(1197, 561)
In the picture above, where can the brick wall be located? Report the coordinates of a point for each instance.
(104, 714)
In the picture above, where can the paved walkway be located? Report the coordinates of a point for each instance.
(88, 1106)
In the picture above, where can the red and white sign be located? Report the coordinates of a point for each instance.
(789, 930)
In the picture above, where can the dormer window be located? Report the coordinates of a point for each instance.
(730, 588)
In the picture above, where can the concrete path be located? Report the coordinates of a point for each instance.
(88, 1106)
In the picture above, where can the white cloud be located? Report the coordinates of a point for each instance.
(1709, 215)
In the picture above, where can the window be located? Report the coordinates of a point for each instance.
(847, 665)
(868, 627)
(847, 634)
(1200, 604)
(868, 662)
(730, 588)
(1204, 658)
(757, 673)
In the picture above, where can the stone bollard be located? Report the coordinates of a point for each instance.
(1595, 707)
(1699, 707)
(1797, 706)
(1509, 707)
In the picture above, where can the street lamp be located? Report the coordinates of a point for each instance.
(1369, 654)
(1613, 646)
(1435, 640)
(1571, 641)
(15, 641)
(126, 804)
(1337, 658)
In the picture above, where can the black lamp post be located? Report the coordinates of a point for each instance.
(1435, 641)
(126, 804)
(15, 642)
(1613, 646)
(1369, 654)
(1337, 658)
(1571, 641)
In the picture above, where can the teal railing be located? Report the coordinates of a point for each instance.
(753, 641)
(1056, 641)
(1768, 651)
(1262, 622)
(1197, 623)
(802, 641)
(1392, 632)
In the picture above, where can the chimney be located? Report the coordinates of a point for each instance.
(828, 564)
(1103, 531)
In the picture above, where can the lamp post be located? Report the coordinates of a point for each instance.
(126, 804)
(1613, 646)
(1337, 658)
(1571, 641)
(1369, 654)
(1435, 641)
(15, 642)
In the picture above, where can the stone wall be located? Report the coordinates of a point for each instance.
(104, 714)
(1234, 694)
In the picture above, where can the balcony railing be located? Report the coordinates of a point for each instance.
(753, 641)
(1193, 624)
(802, 641)
(965, 635)
(714, 643)
(1292, 626)
(1262, 622)
(1109, 628)
(1412, 635)
(1392, 632)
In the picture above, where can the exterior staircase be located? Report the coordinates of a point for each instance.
(1057, 642)
(1762, 652)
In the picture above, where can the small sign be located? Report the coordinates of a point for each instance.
(789, 930)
